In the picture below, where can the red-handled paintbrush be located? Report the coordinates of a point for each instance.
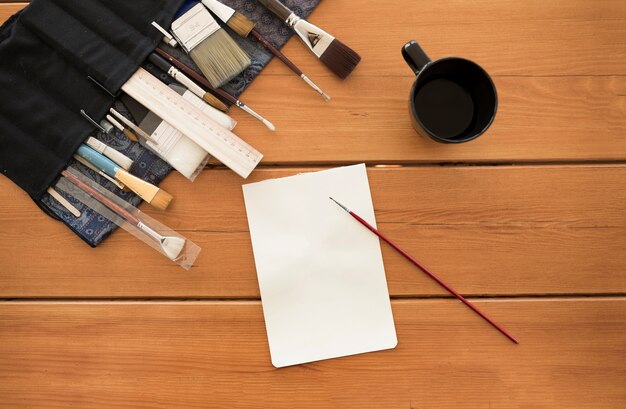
(425, 270)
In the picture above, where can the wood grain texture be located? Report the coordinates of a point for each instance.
(215, 355)
(487, 230)
(541, 231)
(559, 68)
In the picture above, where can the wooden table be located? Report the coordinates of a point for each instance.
(528, 221)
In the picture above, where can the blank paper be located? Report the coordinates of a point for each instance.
(320, 272)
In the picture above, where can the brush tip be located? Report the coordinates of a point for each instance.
(215, 102)
(220, 58)
(173, 246)
(161, 200)
(340, 58)
(131, 135)
(241, 24)
(339, 204)
(269, 125)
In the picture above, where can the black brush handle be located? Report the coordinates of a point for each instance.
(160, 62)
(277, 8)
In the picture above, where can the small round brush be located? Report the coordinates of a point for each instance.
(244, 27)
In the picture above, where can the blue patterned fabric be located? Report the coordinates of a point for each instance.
(94, 228)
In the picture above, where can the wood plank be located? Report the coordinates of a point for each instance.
(193, 355)
(540, 118)
(487, 230)
(506, 36)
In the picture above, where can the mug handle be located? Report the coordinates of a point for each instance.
(414, 56)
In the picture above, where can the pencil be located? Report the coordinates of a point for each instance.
(425, 270)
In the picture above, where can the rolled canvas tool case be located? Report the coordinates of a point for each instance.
(58, 57)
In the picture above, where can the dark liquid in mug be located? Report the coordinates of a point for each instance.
(444, 107)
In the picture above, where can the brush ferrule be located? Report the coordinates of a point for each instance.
(314, 37)
(193, 27)
(222, 11)
(292, 20)
(150, 232)
(315, 87)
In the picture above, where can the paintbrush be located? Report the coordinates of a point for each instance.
(337, 56)
(425, 270)
(203, 81)
(148, 192)
(244, 27)
(129, 134)
(207, 97)
(136, 130)
(91, 166)
(172, 246)
(217, 55)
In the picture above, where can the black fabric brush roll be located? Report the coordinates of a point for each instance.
(52, 58)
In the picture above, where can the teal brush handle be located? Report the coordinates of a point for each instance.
(98, 160)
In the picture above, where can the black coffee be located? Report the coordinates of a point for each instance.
(444, 107)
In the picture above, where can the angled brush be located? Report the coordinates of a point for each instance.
(244, 27)
(148, 192)
(217, 55)
(337, 56)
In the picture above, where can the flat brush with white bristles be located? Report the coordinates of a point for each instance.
(244, 27)
(337, 56)
(217, 55)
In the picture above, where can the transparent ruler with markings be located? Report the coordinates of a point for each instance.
(221, 143)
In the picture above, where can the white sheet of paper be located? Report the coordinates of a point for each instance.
(321, 273)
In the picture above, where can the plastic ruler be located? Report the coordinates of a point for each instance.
(221, 143)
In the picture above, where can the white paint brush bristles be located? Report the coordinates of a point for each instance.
(217, 55)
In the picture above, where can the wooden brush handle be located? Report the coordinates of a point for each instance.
(101, 198)
(276, 52)
(197, 77)
(277, 8)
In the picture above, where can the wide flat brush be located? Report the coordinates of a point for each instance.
(337, 56)
(203, 81)
(148, 192)
(172, 246)
(217, 55)
(244, 27)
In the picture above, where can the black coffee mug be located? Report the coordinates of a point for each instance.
(453, 100)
